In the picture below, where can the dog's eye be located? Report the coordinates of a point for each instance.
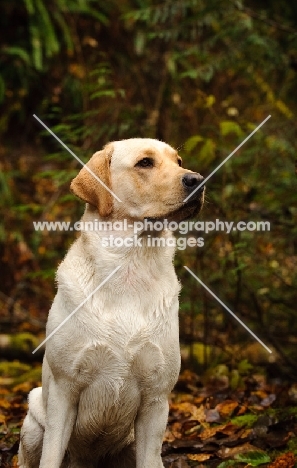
(145, 162)
(179, 162)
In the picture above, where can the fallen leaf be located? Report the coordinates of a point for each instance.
(254, 458)
(268, 400)
(242, 410)
(176, 430)
(24, 388)
(189, 410)
(230, 452)
(168, 436)
(4, 404)
(211, 431)
(212, 415)
(287, 460)
(261, 394)
(200, 457)
(14, 463)
(227, 408)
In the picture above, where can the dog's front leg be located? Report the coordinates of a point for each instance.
(150, 426)
(60, 417)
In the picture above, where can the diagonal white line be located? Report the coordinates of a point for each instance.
(228, 157)
(228, 310)
(77, 308)
(76, 157)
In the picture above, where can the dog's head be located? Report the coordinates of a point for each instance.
(146, 175)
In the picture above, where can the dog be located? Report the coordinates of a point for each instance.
(108, 370)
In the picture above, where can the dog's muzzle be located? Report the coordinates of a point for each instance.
(193, 205)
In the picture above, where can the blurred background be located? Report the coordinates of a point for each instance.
(198, 74)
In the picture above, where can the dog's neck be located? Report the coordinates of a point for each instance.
(125, 238)
(136, 268)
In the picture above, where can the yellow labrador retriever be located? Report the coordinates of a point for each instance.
(108, 370)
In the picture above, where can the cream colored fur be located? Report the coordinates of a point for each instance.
(108, 370)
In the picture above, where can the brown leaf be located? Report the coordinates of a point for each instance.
(198, 400)
(200, 457)
(260, 393)
(245, 433)
(211, 431)
(4, 404)
(168, 436)
(230, 429)
(287, 460)
(242, 410)
(188, 376)
(189, 410)
(176, 430)
(2, 419)
(14, 463)
(227, 408)
(24, 387)
(230, 452)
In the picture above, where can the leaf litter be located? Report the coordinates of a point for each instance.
(253, 425)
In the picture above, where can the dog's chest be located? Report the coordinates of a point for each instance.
(116, 378)
(127, 351)
(111, 366)
(124, 346)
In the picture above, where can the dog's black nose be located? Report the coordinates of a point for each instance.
(191, 181)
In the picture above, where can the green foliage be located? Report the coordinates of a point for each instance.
(227, 464)
(246, 420)
(24, 342)
(44, 32)
(198, 74)
(253, 458)
(228, 126)
(13, 368)
(292, 445)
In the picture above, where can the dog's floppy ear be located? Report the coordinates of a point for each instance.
(88, 188)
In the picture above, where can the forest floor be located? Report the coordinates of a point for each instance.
(219, 421)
